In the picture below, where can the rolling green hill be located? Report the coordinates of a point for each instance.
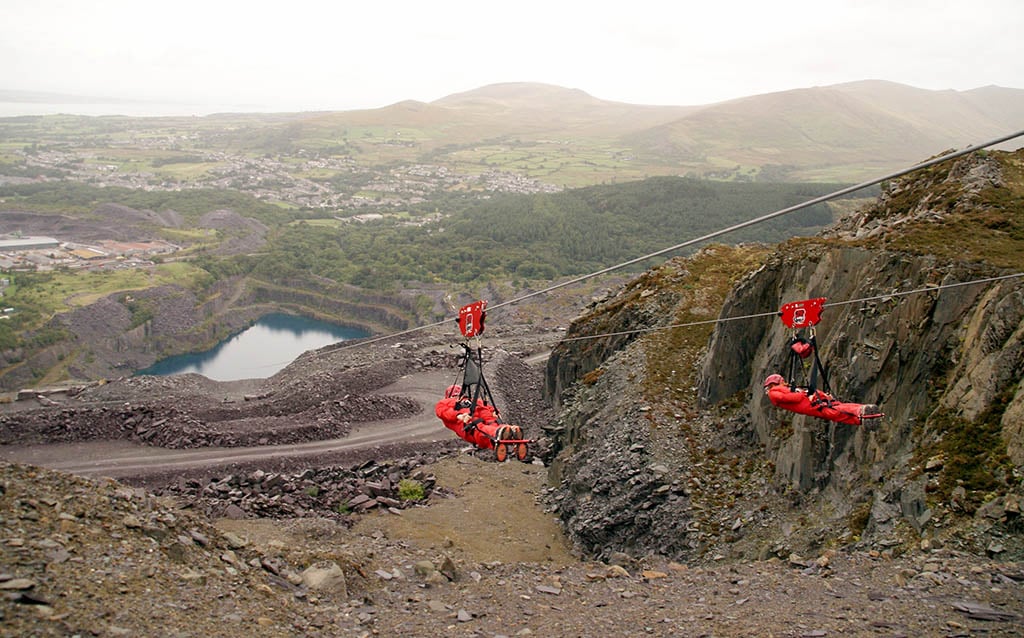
(845, 132)
(567, 138)
(848, 131)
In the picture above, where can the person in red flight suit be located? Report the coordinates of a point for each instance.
(820, 404)
(481, 428)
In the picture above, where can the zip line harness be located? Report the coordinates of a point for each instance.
(474, 385)
(797, 316)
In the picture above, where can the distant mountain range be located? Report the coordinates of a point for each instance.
(871, 124)
(843, 132)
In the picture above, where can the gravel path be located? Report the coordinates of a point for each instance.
(120, 458)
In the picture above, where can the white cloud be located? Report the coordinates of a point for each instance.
(309, 54)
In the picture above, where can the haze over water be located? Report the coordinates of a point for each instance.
(126, 108)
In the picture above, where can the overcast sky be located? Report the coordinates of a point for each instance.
(349, 54)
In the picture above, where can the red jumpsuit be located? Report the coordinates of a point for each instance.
(483, 418)
(821, 405)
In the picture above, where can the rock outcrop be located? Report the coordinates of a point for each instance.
(955, 351)
(931, 331)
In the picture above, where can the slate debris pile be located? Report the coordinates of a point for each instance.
(162, 425)
(336, 493)
(99, 558)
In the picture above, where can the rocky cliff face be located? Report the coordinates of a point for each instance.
(956, 351)
(903, 327)
(628, 446)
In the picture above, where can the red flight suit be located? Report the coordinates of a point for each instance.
(821, 405)
(483, 418)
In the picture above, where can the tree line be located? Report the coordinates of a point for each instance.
(511, 237)
(532, 237)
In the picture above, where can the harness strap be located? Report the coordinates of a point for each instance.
(800, 348)
(819, 368)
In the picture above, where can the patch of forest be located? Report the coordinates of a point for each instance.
(520, 238)
(532, 238)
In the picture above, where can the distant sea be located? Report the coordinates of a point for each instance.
(130, 109)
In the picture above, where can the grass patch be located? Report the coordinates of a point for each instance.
(189, 235)
(952, 224)
(673, 354)
(858, 519)
(320, 223)
(410, 490)
(989, 237)
(186, 171)
(974, 451)
(593, 376)
(46, 294)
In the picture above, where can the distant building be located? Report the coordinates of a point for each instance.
(28, 243)
(88, 253)
(138, 247)
(366, 217)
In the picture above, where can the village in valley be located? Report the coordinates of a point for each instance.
(301, 178)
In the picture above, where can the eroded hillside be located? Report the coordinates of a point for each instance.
(665, 453)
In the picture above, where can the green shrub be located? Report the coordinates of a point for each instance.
(410, 490)
(975, 451)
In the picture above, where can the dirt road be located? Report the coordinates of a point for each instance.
(123, 458)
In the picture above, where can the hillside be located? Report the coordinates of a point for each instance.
(561, 111)
(703, 449)
(520, 109)
(559, 136)
(846, 132)
(855, 130)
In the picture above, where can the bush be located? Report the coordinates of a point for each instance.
(410, 490)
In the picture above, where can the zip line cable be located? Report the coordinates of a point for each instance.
(757, 315)
(764, 218)
(925, 289)
(707, 237)
(775, 313)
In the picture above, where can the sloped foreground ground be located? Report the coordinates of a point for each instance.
(95, 557)
(245, 551)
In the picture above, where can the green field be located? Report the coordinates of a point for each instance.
(60, 291)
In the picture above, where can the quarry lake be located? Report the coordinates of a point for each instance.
(260, 351)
